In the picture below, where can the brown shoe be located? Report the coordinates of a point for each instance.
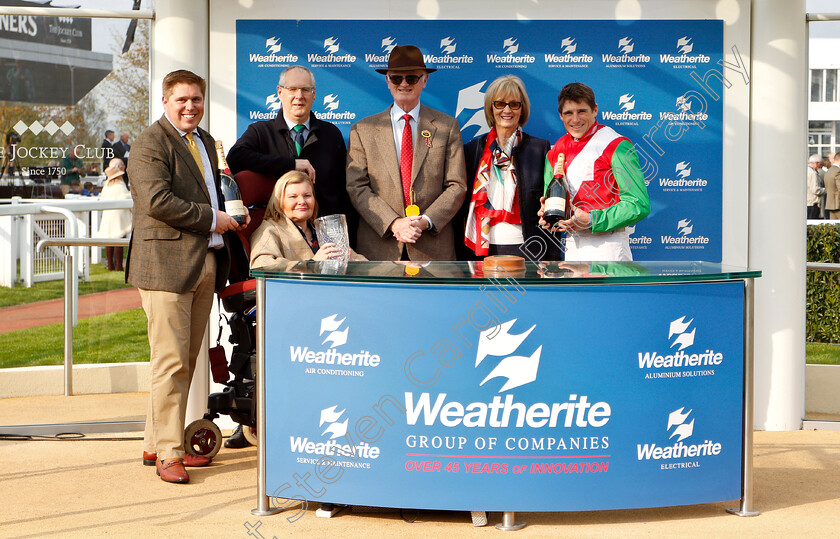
(149, 459)
(172, 471)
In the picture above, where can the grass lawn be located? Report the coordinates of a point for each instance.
(109, 338)
(101, 280)
(822, 353)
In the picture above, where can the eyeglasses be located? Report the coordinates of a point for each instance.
(514, 105)
(396, 80)
(305, 90)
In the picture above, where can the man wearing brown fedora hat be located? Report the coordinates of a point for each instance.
(405, 170)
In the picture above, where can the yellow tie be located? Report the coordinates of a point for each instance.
(194, 151)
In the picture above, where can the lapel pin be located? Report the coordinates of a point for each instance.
(427, 136)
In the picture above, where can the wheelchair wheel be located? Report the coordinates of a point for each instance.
(250, 434)
(202, 438)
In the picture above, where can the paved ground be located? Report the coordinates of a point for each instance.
(51, 311)
(98, 488)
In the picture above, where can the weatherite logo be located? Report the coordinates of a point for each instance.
(519, 366)
(331, 417)
(331, 113)
(685, 115)
(447, 59)
(330, 56)
(684, 47)
(499, 342)
(567, 56)
(333, 446)
(380, 59)
(682, 181)
(627, 115)
(509, 56)
(685, 239)
(471, 100)
(625, 56)
(333, 333)
(676, 363)
(272, 54)
(688, 455)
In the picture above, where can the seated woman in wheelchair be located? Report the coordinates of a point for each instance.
(287, 232)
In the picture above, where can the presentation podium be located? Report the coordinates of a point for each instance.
(562, 387)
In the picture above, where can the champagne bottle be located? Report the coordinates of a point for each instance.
(556, 196)
(233, 199)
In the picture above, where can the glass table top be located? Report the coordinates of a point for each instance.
(534, 272)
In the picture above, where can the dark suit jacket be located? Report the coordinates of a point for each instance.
(529, 160)
(172, 212)
(107, 153)
(268, 148)
(375, 187)
(120, 149)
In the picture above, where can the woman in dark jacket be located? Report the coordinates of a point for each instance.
(505, 170)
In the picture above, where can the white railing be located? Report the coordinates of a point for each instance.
(71, 293)
(25, 222)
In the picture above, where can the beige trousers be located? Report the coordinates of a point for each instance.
(177, 325)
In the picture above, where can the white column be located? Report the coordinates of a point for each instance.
(778, 157)
(180, 40)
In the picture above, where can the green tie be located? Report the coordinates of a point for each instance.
(194, 151)
(298, 136)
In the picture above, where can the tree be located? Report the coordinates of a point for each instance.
(125, 91)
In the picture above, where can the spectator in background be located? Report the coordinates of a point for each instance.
(815, 190)
(75, 188)
(121, 151)
(73, 167)
(832, 189)
(87, 189)
(108, 148)
(114, 223)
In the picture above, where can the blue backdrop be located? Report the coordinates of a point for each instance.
(641, 72)
(532, 398)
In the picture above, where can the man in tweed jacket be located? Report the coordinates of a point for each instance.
(177, 258)
(433, 182)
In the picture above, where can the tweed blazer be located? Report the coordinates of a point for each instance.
(438, 178)
(172, 212)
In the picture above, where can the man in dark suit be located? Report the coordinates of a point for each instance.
(121, 151)
(405, 170)
(297, 140)
(122, 148)
(177, 258)
(107, 149)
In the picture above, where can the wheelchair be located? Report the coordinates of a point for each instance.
(238, 399)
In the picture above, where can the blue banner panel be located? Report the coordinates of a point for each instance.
(657, 82)
(512, 398)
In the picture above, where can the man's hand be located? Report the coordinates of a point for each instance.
(580, 220)
(304, 165)
(408, 229)
(225, 222)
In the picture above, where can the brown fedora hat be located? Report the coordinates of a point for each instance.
(405, 58)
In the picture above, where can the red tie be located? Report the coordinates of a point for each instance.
(406, 153)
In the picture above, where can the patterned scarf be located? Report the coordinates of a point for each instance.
(495, 198)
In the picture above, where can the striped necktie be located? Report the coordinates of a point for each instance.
(298, 136)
